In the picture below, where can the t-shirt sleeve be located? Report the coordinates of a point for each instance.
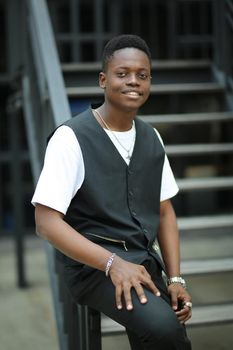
(63, 171)
(169, 186)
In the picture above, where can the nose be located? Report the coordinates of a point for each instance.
(133, 79)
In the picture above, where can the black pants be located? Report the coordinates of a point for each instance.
(150, 326)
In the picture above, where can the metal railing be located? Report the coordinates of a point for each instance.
(224, 44)
(170, 27)
(37, 91)
(46, 104)
(39, 96)
(229, 44)
(45, 107)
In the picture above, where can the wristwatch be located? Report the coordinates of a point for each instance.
(176, 279)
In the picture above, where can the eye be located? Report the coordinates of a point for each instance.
(143, 76)
(121, 74)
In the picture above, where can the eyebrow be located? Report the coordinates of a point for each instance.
(126, 67)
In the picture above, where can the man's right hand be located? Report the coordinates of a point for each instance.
(125, 276)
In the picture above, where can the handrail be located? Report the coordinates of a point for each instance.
(45, 106)
(51, 95)
(42, 35)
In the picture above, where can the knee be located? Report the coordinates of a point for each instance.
(164, 335)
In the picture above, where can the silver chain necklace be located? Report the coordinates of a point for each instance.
(128, 151)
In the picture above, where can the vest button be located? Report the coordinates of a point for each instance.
(130, 172)
(145, 231)
(131, 193)
(134, 213)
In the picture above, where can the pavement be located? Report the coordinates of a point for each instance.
(26, 315)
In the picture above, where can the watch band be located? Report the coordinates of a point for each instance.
(176, 279)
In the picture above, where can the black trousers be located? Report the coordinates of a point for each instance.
(150, 326)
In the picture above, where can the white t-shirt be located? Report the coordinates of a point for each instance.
(63, 171)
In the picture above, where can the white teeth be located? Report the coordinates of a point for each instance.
(133, 93)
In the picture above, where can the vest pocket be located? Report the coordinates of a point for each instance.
(109, 239)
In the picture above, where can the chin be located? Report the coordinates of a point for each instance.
(131, 109)
(134, 105)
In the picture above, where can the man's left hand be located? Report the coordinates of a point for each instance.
(180, 302)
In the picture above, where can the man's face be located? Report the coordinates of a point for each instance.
(127, 79)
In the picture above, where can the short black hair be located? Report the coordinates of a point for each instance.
(121, 42)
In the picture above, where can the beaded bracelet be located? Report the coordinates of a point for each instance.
(109, 264)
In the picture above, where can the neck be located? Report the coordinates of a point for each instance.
(115, 119)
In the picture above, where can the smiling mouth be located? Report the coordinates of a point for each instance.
(132, 93)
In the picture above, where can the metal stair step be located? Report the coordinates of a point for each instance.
(177, 88)
(186, 88)
(156, 64)
(188, 118)
(108, 326)
(205, 222)
(205, 314)
(202, 266)
(211, 314)
(180, 64)
(167, 71)
(208, 183)
(199, 149)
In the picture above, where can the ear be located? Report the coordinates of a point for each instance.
(102, 80)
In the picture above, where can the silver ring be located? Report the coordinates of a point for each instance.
(189, 304)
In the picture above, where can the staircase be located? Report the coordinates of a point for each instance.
(188, 106)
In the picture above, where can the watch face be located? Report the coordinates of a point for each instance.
(182, 281)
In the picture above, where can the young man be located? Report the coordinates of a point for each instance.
(103, 198)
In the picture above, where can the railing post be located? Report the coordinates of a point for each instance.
(14, 23)
(172, 29)
(17, 193)
(219, 34)
(228, 43)
(80, 324)
(95, 330)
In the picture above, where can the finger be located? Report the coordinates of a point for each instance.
(188, 304)
(185, 319)
(184, 314)
(128, 298)
(151, 286)
(174, 300)
(147, 281)
(140, 293)
(187, 307)
(118, 294)
(154, 289)
(188, 313)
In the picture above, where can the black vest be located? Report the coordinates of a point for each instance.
(117, 205)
